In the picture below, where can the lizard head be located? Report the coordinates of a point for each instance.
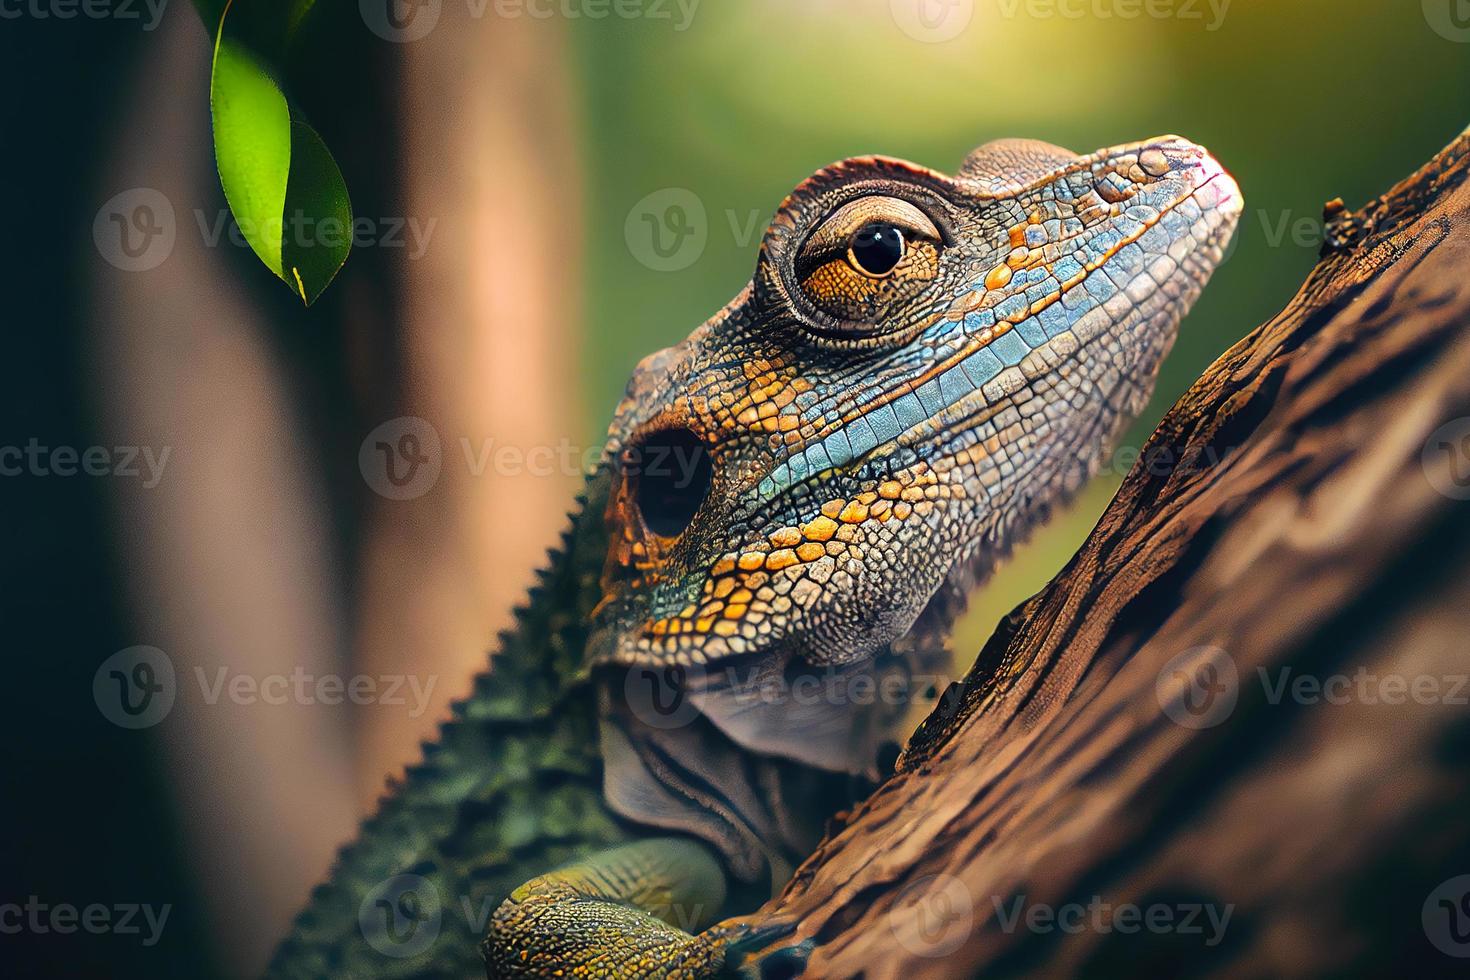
(921, 366)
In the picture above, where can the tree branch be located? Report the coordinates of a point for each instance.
(1199, 710)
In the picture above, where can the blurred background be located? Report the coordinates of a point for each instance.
(554, 187)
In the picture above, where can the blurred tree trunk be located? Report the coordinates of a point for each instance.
(1125, 737)
(486, 318)
(225, 559)
(247, 557)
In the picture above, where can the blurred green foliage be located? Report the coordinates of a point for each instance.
(1303, 100)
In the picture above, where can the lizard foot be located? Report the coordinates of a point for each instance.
(624, 914)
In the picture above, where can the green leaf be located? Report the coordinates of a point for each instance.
(252, 147)
(315, 188)
(283, 187)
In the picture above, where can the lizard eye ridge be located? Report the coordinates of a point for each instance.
(671, 473)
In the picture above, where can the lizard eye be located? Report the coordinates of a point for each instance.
(876, 248)
(866, 258)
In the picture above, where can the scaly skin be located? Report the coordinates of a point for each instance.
(512, 787)
(920, 369)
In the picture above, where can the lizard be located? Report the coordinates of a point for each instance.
(797, 497)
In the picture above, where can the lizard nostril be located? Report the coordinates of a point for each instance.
(671, 474)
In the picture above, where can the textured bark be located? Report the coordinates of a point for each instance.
(1296, 511)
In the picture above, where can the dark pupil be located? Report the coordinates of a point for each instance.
(877, 248)
(671, 474)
